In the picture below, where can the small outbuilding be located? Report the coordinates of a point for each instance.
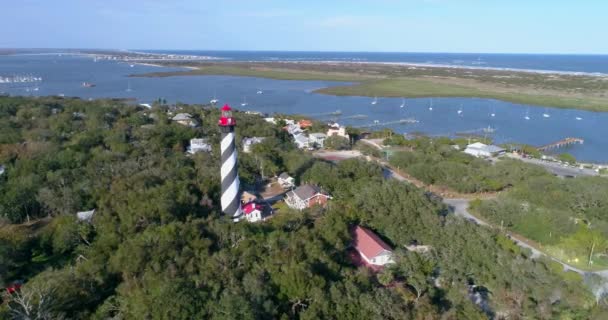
(249, 142)
(199, 145)
(286, 181)
(85, 216)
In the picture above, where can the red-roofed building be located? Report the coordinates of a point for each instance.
(305, 123)
(253, 211)
(371, 248)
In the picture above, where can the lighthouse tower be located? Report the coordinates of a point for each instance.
(231, 204)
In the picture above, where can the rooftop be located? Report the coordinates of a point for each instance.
(368, 243)
(306, 191)
(182, 117)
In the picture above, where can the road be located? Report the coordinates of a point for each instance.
(460, 207)
(556, 168)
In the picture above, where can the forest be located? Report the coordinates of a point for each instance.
(565, 217)
(158, 248)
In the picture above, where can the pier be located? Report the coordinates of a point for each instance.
(377, 123)
(561, 143)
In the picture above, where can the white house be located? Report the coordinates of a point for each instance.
(317, 139)
(306, 196)
(254, 212)
(301, 141)
(271, 120)
(481, 150)
(286, 181)
(185, 119)
(336, 130)
(199, 145)
(371, 248)
(249, 142)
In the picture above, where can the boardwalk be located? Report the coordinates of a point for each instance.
(561, 143)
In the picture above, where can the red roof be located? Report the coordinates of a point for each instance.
(368, 243)
(226, 108)
(252, 206)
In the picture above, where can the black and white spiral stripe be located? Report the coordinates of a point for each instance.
(230, 178)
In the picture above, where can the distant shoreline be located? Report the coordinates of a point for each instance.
(553, 89)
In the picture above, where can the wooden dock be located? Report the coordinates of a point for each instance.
(561, 143)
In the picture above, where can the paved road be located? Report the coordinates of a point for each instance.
(557, 168)
(460, 207)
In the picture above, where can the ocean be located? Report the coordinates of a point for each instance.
(65, 75)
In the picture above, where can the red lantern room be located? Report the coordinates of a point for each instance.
(227, 120)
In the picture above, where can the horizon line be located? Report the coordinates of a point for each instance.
(316, 51)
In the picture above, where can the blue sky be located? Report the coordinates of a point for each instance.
(526, 26)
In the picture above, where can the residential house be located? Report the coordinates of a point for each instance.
(293, 129)
(373, 251)
(317, 139)
(199, 145)
(306, 196)
(481, 150)
(185, 119)
(305, 123)
(286, 181)
(249, 142)
(302, 141)
(271, 120)
(336, 130)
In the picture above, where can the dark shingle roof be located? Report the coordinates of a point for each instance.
(306, 191)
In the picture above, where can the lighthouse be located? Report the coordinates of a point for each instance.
(231, 204)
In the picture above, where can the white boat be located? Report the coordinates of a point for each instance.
(402, 104)
(129, 87)
(131, 65)
(579, 118)
(260, 92)
(460, 111)
(546, 115)
(215, 100)
(527, 116)
(244, 103)
(493, 115)
(375, 101)
(431, 105)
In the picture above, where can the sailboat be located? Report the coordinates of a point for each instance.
(244, 103)
(214, 100)
(546, 114)
(460, 110)
(431, 105)
(527, 116)
(375, 101)
(579, 118)
(402, 104)
(260, 92)
(129, 87)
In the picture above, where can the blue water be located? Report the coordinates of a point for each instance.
(65, 74)
(539, 62)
